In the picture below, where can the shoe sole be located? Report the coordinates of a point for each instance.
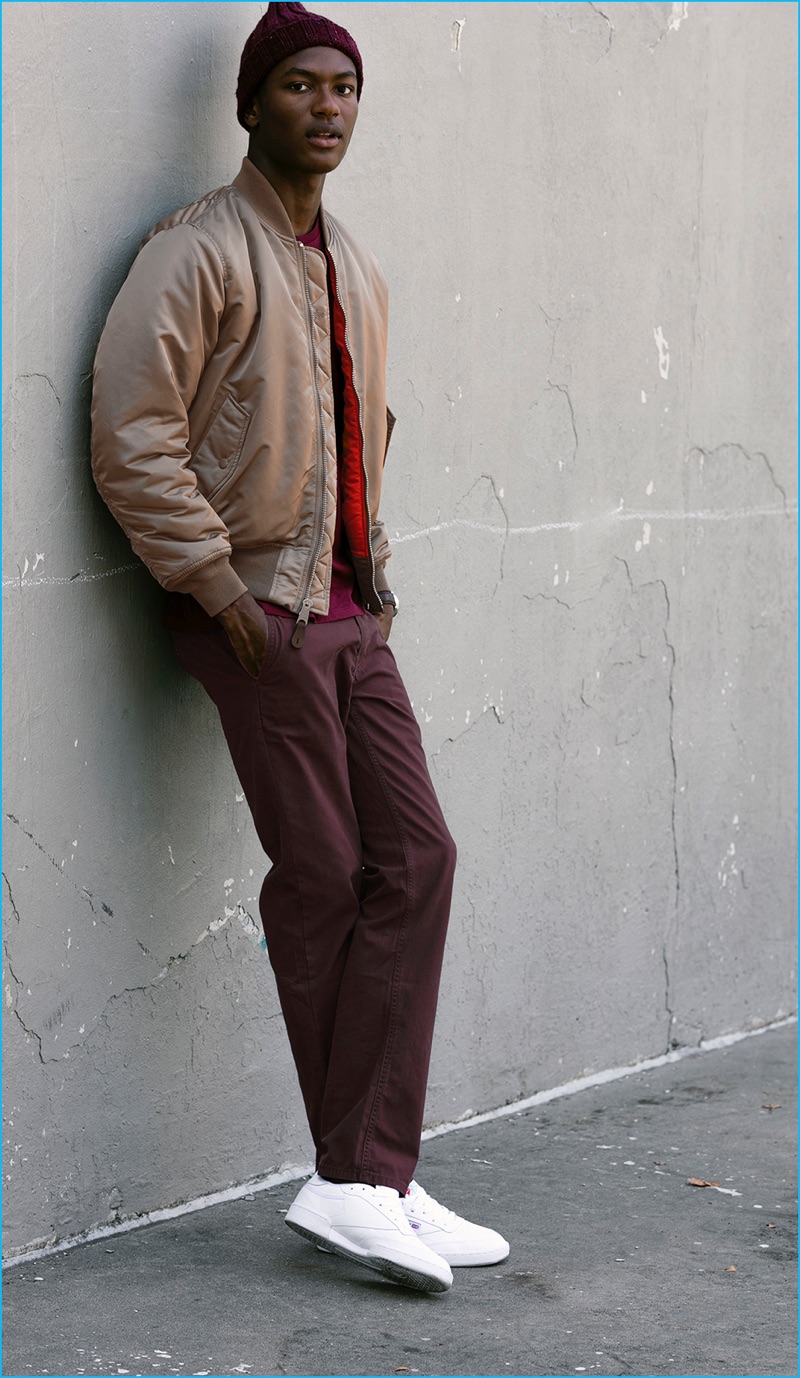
(387, 1267)
(482, 1261)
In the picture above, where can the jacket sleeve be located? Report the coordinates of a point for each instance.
(157, 340)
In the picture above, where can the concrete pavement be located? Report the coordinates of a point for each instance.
(618, 1265)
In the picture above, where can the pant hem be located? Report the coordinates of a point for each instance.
(368, 1179)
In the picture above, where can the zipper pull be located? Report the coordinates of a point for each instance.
(302, 622)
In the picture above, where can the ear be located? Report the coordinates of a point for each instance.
(252, 117)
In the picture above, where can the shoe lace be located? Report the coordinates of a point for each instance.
(391, 1205)
(424, 1206)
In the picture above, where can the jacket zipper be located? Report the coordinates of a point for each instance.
(299, 634)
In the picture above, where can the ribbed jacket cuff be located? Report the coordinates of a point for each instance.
(215, 585)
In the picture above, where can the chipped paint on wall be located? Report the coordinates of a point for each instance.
(663, 352)
(680, 11)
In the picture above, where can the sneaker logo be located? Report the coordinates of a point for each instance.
(414, 1225)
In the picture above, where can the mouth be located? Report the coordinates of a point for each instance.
(322, 137)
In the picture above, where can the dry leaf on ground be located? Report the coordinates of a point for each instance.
(700, 1182)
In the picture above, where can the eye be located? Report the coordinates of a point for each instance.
(298, 86)
(345, 89)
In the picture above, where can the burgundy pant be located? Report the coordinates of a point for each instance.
(355, 907)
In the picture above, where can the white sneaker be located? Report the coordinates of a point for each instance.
(458, 1241)
(369, 1226)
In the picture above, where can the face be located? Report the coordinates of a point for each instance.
(304, 112)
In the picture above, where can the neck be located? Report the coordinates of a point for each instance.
(300, 192)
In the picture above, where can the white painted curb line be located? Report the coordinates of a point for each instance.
(295, 1173)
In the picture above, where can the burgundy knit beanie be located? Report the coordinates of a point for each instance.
(283, 30)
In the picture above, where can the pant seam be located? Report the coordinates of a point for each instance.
(400, 945)
(287, 840)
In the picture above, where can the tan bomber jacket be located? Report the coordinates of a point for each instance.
(213, 435)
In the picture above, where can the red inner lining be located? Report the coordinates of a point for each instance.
(352, 482)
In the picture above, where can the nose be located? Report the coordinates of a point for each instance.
(326, 105)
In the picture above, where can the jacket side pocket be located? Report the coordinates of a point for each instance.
(218, 454)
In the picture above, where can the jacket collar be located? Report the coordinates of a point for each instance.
(266, 202)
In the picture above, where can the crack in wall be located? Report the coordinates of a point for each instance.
(503, 531)
(549, 598)
(49, 381)
(14, 909)
(452, 741)
(574, 12)
(718, 453)
(248, 923)
(564, 390)
(15, 1011)
(80, 890)
(603, 15)
(555, 322)
(660, 583)
(249, 926)
(553, 598)
(768, 464)
(501, 505)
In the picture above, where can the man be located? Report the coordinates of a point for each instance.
(239, 434)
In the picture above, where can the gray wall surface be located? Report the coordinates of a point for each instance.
(586, 215)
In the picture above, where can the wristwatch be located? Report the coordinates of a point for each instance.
(386, 596)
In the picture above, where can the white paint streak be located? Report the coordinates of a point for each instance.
(401, 537)
(619, 514)
(39, 560)
(571, 1088)
(294, 1174)
(81, 578)
(663, 352)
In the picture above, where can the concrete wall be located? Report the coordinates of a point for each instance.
(586, 217)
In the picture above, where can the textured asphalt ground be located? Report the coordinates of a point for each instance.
(618, 1265)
